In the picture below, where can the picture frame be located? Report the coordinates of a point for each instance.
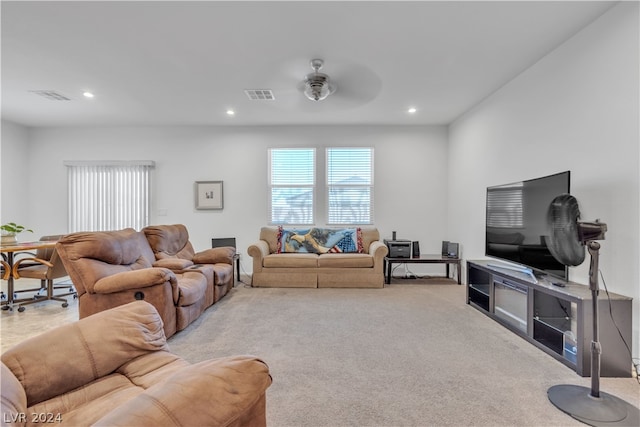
(209, 195)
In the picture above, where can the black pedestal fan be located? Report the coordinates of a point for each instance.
(568, 237)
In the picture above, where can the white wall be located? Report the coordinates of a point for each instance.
(13, 161)
(577, 109)
(410, 175)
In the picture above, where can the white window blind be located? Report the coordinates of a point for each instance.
(350, 185)
(504, 207)
(292, 185)
(109, 195)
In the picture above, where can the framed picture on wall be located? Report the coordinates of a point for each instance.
(209, 195)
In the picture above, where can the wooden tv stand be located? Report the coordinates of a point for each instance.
(544, 314)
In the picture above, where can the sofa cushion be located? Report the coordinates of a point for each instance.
(219, 255)
(169, 241)
(173, 263)
(270, 235)
(345, 261)
(193, 286)
(14, 398)
(223, 273)
(291, 261)
(87, 404)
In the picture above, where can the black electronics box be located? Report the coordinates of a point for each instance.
(450, 249)
(399, 248)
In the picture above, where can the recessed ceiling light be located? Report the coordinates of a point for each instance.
(88, 94)
(412, 110)
(230, 112)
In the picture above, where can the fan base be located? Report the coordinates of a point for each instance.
(606, 410)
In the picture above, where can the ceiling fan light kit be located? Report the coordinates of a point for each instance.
(317, 85)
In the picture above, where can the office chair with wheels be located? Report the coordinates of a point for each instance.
(46, 266)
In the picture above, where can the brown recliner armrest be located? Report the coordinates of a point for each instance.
(222, 255)
(216, 392)
(135, 279)
(173, 263)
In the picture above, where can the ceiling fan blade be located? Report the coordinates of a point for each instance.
(356, 82)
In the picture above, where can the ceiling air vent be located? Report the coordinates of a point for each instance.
(260, 94)
(51, 94)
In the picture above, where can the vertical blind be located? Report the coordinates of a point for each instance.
(109, 195)
(350, 185)
(292, 185)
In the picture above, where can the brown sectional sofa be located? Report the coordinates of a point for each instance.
(115, 369)
(112, 268)
(310, 270)
(173, 250)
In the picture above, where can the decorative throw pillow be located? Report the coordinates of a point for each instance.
(320, 240)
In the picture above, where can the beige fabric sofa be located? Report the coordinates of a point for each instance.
(306, 270)
(114, 368)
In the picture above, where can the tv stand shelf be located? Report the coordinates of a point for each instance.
(557, 320)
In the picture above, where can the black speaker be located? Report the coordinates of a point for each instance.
(445, 248)
(415, 252)
(452, 250)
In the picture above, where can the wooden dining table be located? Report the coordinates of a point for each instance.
(9, 251)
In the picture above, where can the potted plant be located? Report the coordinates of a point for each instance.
(10, 230)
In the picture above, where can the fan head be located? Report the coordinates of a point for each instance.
(564, 240)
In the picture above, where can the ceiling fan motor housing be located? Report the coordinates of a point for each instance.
(589, 231)
(317, 86)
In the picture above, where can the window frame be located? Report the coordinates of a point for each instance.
(368, 184)
(307, 215)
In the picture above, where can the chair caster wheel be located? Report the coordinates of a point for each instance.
(65, 305)
(21, 309)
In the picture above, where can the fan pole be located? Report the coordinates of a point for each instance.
(596, 349)
(590, 406)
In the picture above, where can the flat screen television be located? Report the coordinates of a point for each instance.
(516, 223)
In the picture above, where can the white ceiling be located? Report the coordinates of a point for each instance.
(186, 63)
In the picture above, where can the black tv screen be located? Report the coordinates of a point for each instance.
(516, 222)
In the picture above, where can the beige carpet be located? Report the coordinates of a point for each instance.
(405, 355)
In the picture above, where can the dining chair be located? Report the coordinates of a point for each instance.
(46, 266)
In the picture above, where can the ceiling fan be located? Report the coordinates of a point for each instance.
(568, 237)
(344, 85)
(317, 86)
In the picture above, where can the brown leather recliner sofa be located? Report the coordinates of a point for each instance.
(112, 268)
(172, 249)
(115, 369)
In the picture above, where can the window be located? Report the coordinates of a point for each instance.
(292, 185)
(350, 185)
(108, 196)
(504, 207)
